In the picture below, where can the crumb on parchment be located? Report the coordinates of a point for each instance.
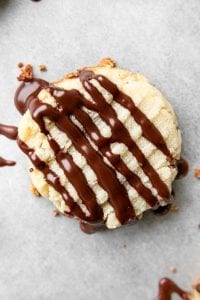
(174, 208)
(42, 68)
(173, 269)
(26, 73)
(197, 173)
(55, 213)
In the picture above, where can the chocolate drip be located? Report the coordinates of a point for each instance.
(167, 287)
(183, 168)
(8, 131)
(90, 228)
(26, 92)
(70, 103)
(5, 162)
(11, 133)
(162, 210)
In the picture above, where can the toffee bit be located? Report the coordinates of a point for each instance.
(42, 68)
(55, 213)
(174, 208)
(26, 73)
(107, 61)
(197, 173)
(34, 191)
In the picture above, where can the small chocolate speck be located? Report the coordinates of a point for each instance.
(31, 170)
(20, 65)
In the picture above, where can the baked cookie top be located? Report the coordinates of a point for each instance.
(103, 143)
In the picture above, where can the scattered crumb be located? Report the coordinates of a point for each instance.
(31, 170)
(71, 75)
(107, 61)
(199, 225)
(20, 65)
(55, 213)
(34, 191)
(42, 68)
(124, 246)
(26, 73)
(197, 173)
(174, 208)
(173, 269)
(196, 285)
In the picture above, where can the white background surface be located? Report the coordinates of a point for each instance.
(42, 257)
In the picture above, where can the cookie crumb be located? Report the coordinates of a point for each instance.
(72, 75)
(125, 246)
(42, 68)
(55, 213)
(196, 285)
(31, 170)
(197, 173)
(173, 269)
(20, 65)
(26, 73)
(107, 62)
(174, 208)
(34, 191)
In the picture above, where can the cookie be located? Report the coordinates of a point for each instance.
(103, 144)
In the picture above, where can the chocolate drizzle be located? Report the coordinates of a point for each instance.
(26, 92)
(183, 168)
(4, 162)
(167, 287)
(70, 103)
(11, 133)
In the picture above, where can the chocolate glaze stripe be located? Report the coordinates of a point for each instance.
(121, 134)
(167, 287)
(53, 180)
(77, 179)
(103, 144)
(149, 131)
(106, 176)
